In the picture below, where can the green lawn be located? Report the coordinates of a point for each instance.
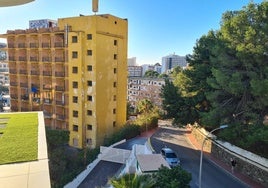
(18, 137)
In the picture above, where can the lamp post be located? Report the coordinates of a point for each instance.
(201, 155)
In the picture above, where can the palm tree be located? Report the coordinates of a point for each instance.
(133, 181)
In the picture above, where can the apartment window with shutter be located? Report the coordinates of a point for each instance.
(114, 111)
(89, 52)
(114, 124)
(89, 112)
(89, 98)
(89, 127)
(115, 56)
(75, 99)
(114, 84)
(114, 70)
(75, 113)
(89, 36)
(89, 83)
(115, 42)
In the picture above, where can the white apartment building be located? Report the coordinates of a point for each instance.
(144, 88)
(172, 61)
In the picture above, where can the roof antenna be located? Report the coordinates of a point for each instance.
(95, 6)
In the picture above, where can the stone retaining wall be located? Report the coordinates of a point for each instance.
(249, 164)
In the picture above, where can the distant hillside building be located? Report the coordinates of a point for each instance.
(68, 73)
(134, 71)
(132, 61)
(145, 88)
(172, 61)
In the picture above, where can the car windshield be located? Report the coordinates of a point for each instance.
(171, 155)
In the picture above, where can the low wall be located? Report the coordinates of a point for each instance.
(249, 164)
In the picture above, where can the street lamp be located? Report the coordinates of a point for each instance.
(201, 155)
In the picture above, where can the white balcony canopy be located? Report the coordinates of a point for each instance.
(6, 3)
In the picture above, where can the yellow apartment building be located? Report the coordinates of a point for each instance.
(75, 71)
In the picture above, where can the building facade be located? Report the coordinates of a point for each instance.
(145, 88)
(171, 61)
(76, 73)
(134, 71)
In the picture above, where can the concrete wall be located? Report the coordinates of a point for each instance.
(249, 164)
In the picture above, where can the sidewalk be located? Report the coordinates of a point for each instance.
(227, 168)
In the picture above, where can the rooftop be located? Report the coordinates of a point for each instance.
(151, 162)
(23, 151)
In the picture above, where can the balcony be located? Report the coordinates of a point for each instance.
(24, 85)
(47, 101)
(12, 71)
(35, 73)
(14, 108)
(60, 117)
(59, 74)
(61, 103)
(33, 45)
(21, 58)
(47, 87)
(23, 71)
(47, 115)
(58, 44)
(23, 109)
(45, 45)
(21, 45)
(46, 59)
(34, 59)
(11, 58)
(11, 45)
(59, 88)
(59, 59)
(12, 96)
(24, 97)
(47, 73)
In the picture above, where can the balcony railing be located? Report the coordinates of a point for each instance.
(24, 97)
(33, 45)
(46, 59)
(21, 45)
(11, 45)
(35, 73)
(59, 74)
(12, 71)
(47, 73)
(23, 71)
(58, 44)
(14, 108)
(23, 84)
(33, 58)
(59, 88)
(11, 58)
(14, 96)
(45, 87)
(59, 102)
(59, 59)
(22, 58)
(60, 117)
(13, 83)
(47, 115)
(45, 45)
(47, 101)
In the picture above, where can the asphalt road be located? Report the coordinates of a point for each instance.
(212, 175)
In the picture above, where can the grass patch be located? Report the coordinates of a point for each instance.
(19, 140)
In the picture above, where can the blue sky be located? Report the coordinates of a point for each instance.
(156, 28)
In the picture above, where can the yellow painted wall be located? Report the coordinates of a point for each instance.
(105, 29)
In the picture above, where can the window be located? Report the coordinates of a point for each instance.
(114, 84)
(89, 83)
(89, 52)
(114, 111)
(114, 70)
(115, 42)
(75, 70)
(114, 97)
(89, 112)
(89, 98)
(74, 39)
(115, 56)
(89, 68)
(89, 127)
(89, 141)
(89, 36)
(75, 113)
(75, 99)
(114, 124)
(75, 54)
(75, 128)
(75, 84)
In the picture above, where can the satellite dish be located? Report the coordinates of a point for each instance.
(7, 3)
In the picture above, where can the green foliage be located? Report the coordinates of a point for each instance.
(65, 162)
(144, 106)
(173, 178)
(126, 132)
(151, 74)
(19, 138)
(133, 181)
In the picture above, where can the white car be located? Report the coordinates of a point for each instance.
(170, 156)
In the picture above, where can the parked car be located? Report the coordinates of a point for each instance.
(170, 156)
